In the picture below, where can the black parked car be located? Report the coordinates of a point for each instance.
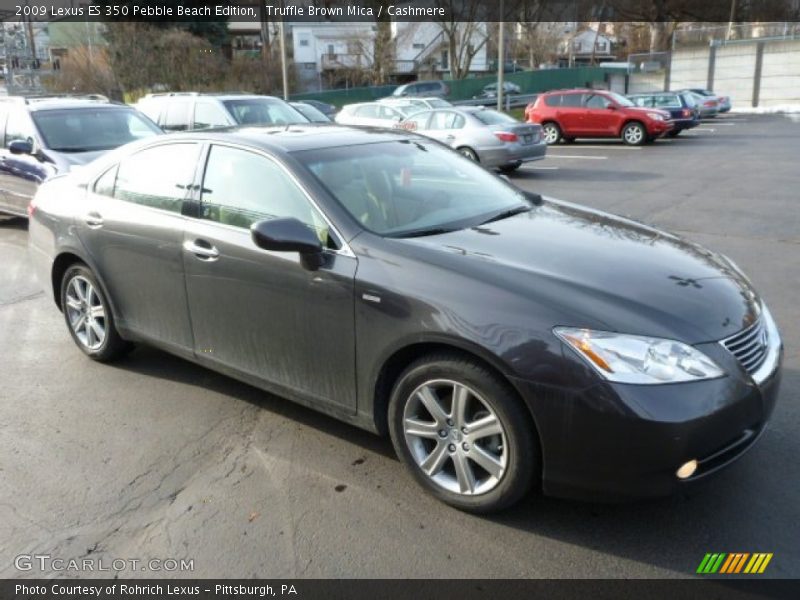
(680, 105)
(501, 339)
(44, 136)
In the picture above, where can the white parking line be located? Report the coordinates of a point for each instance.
(704, 129)
(540, 168)
(604, 147)
(583, 156)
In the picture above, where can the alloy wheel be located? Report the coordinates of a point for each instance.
(634, 134)
(551, 134)
(86, 313)
(455, 437)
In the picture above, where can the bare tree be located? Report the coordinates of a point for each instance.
(464, 37)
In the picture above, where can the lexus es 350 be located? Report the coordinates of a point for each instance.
(502, 340)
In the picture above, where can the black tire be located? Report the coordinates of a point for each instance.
(568, 140)
(674, 133)
(112, 345)
(469, 153)
(634, 134)
(510, 168)
(518, 441)
(551, 133)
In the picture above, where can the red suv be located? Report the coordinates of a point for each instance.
(568, 114)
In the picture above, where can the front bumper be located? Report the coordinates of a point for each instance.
(617, 441)
(658, 128)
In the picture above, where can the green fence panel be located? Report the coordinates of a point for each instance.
(463, 89)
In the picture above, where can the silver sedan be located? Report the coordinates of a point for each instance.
(487, 136)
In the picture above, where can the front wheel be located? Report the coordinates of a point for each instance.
(551, 133)
(634, 134)
(463, 434)
(88, 315)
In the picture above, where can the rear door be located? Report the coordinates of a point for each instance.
(570, 114)
(262, 313)
(131, 225)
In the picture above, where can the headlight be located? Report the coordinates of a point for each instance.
(656, 116)
(638, 359)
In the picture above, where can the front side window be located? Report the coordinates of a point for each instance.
(619, 99)
(597, 101)
(405, 188)
(242, 187)
(91, 129)
(158, 177)
(263, 111)
(208, 114)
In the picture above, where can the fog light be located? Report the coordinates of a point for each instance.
(687, 469)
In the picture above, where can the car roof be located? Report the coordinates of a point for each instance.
(64, 103)
(218, 96)
(294, 138)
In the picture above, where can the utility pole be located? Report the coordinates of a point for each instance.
(284, 75)
(501, 57)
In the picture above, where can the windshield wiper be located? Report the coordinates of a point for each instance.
(507, 213)
(423, 232)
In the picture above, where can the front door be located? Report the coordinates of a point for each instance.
(263, 313)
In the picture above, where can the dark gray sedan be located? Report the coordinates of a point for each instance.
(487, 136)
(501, 339)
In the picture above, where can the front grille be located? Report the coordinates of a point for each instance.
(749, 346)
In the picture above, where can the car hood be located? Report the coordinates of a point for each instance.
(71, 159)
(603, 271)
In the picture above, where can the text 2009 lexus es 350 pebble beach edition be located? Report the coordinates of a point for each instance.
(502, 340)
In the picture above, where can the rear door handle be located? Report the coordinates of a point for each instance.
(201, 249)
(93, 220)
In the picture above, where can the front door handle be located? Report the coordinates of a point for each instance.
(449, 138)
(93, 220)
(201, 249)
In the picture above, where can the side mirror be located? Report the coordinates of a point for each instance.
(288, 235)
(612, 107)
(21, 147)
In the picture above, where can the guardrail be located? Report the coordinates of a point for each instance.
(509, 101)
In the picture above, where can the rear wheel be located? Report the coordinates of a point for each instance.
(463, 433)
(88, 315)
(551, 133)
(469, 153)
(634, 134)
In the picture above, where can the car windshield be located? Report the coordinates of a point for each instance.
(492, 117)
(620, 99)
(91, 129)
(409, 188)
(263, 111)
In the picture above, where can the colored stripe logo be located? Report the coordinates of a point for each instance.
(733, 563)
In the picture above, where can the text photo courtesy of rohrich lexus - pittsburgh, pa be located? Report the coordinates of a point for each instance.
(399, 299)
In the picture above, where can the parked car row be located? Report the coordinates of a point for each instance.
(636, 119)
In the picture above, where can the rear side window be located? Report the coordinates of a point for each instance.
(417, 122)
(446, 120)
(643, 101)
(177, 117)
(553, 100)
(572, 100)
(369, 111)
(667, 101)
(157, 177)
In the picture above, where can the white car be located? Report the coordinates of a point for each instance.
(375, 114)
(421, 103)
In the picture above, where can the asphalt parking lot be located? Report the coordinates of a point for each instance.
(154, 457)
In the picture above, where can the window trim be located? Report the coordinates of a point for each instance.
(200, 174)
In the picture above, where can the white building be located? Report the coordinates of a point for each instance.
(423, 46)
